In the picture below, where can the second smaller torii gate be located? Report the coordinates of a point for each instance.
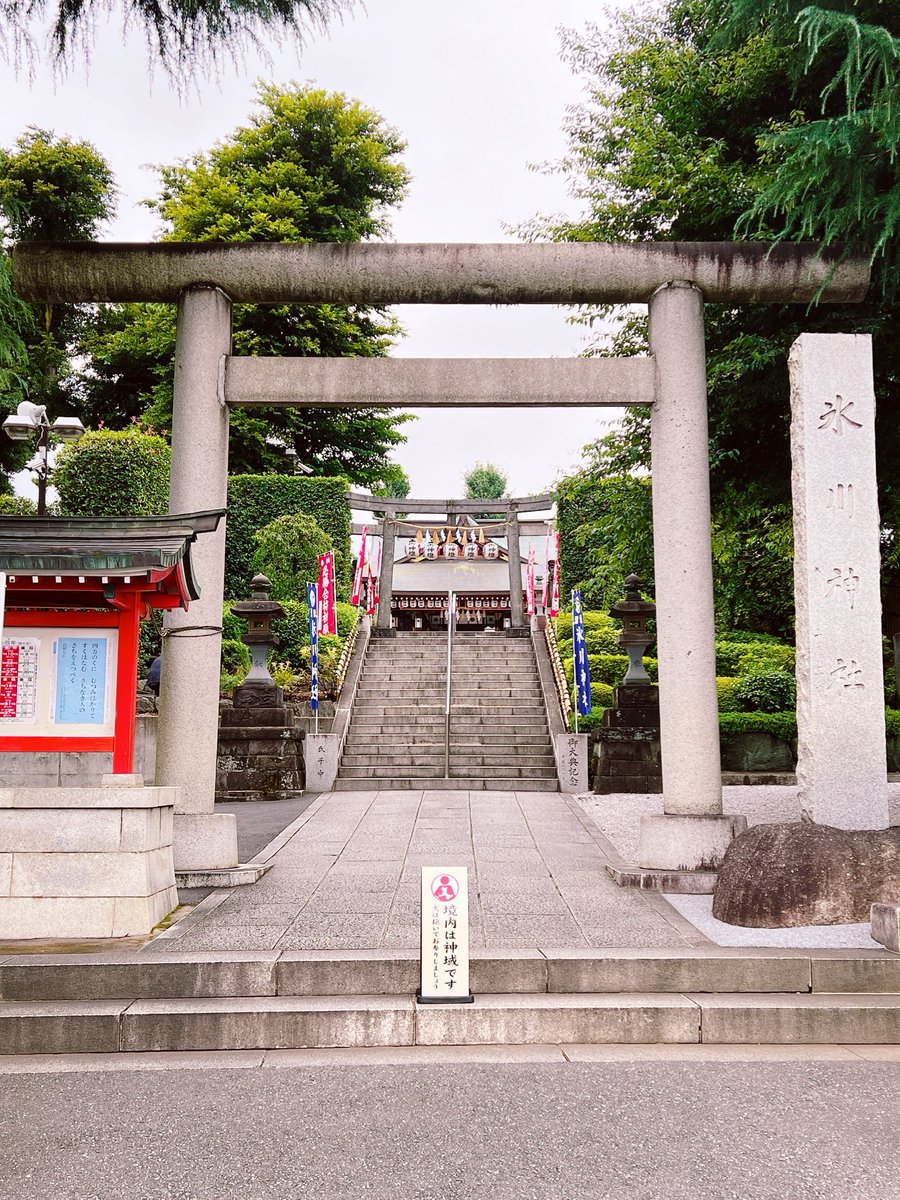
(388, 507)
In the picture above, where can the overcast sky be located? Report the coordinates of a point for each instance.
(479, 92)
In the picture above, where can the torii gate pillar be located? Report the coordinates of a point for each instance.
(692, 834)
(192, 641)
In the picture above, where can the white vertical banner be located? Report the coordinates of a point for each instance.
(445, 936)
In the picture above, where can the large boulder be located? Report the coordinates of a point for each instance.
(799, 873)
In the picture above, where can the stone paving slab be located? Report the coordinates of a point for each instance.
(347, 876)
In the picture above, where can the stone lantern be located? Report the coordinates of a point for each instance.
(260, 756)
(634, 638)
(259, 612)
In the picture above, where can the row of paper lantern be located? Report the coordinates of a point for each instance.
(473, 602)
(432, 550)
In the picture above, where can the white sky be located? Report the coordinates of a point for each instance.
(479, 92)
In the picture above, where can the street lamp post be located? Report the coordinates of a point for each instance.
(21, 427)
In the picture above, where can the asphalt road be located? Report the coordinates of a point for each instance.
(641, 1131)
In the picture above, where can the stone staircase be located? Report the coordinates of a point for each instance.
(87, 1003)
(499, 738)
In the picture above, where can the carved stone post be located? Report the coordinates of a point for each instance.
(841, 767)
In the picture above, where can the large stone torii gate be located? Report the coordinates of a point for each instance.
(673, 279)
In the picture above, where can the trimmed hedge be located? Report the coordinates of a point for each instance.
(726, 690)
(113, 473)
(782, 725)
(256, 500)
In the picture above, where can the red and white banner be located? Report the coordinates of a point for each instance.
(554, 595)
(327, 617)
(377, 569)
(529, 583)
(545, 591)
(360, 567)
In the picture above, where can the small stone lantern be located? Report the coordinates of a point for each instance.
(634, 638)
(259, 612)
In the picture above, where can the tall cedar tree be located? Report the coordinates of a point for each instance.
(310, 166)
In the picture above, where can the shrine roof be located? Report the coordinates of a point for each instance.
(103, 546)
(456, 574)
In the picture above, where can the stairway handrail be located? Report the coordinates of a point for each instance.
(559, 674)
(451, 622)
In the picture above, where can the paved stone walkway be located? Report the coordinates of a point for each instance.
(348, 877)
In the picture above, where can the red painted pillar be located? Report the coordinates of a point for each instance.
(126, 685)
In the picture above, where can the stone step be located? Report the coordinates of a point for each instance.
(400, 783)
(371, 691)
(379, 769)
(586, 1018)
(364, 741)
(473, 763)
(130, 975)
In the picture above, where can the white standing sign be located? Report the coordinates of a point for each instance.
(445, 936)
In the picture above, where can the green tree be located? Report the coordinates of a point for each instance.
(287, 551)
(485, 481)
(310, 166)
(51, 189)
(180, 35)
(674, 141)
(394, 483)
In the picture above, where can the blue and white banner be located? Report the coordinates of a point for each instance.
(582, 669)
(312, 605)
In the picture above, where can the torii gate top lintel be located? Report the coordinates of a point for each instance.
(439, 273)
(390, 505)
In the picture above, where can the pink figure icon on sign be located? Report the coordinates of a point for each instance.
(444, 887)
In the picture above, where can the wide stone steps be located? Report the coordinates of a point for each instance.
(131, 1002)
(396, 734)
(456, 783)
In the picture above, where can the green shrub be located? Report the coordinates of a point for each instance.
(610, 668)
(740, 635)
(232, 627)
(766, 658)
(601, 695)
(782, 725)
(227, 683)
(235, 657)
(113, 473)
(590, 721)
(16, 506)
(890, 687)
(767, 691)
(728, 654)
(726, 691)
(255, 500)
(892, 722)
(287, 551)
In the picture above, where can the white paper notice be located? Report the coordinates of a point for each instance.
(445, 934)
